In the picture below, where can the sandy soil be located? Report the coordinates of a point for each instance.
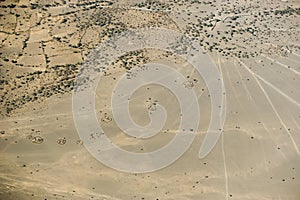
(256, 48)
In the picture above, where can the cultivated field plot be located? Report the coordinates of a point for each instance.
(47, 47)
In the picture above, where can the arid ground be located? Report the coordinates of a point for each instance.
(254, 44)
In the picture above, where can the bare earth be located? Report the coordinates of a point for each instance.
(255, 46)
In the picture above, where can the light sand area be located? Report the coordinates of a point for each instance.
(256, 51)
(260, 161)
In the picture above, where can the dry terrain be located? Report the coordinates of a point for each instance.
(254, 44)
